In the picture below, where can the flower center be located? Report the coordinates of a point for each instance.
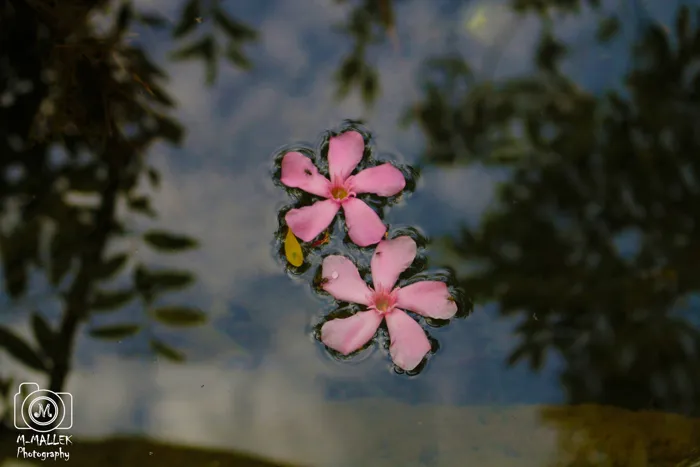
(339, 193)
(341, 189)
(382, 304)
(383, 301)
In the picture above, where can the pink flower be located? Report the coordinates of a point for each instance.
(344, 153)
(409, 344)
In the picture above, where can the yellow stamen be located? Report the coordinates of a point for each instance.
(382, 304)
(339, 193)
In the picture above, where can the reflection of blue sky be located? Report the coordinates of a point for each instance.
(255, 373)
(444, 196)
(627, 243)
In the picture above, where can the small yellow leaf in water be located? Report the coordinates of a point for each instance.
(292, 250)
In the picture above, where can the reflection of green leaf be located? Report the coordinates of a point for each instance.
(20, 350)
(142, 204)
(238, 32)
(5, 385)
(154, 177)
(14, 266)
(528, 350)
(179, 316)
(152, 19)
(110, 267)
(168, 242)
(150, 283)
(147, 69)
(188, 19)
(166, 351)
(203, 48)
(549, 53)
(508, 152)
(170, 279)
(115, 332)
(43, 333)
(170, 130)
(111, 300)
(348, 73)
(61, 259)
(370, 86)
(160, 95)
(236, 57)
(211, 66)
(607, 28)
(518, 354)
(124, 17)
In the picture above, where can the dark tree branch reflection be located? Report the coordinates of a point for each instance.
(591, 175)
(208, 18)
(79, 111)
(370, 22)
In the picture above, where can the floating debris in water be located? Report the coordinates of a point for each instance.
(292, 250)
(323, 240)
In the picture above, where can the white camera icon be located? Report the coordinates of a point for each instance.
(42, 410)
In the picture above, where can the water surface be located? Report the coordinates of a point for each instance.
(558, 180)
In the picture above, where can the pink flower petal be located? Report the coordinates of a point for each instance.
(298, 171)
(427, 298)
(391, 258)
(344, 153)
(409, 344)
(346, 335)
(382, 180)
(309, 221)
(364, 225)
(343, 281)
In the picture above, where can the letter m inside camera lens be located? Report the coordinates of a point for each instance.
(44, 411)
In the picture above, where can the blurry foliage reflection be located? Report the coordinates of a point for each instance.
(370, 22)
(79, 111)
(373, 22)
(208, 18)
(606, 436)
(588, 170)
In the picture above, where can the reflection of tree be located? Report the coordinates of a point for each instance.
(78, 113)
(372, 22)
(595, 435)
(369, 23)
(588, 171)
(195, 15)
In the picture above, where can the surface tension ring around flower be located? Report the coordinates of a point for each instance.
(408, 341)
(345, 152)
